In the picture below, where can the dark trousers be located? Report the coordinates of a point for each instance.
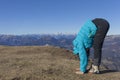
(102, 29)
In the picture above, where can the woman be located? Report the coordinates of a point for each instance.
(83, 42)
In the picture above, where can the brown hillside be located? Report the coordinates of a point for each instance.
(44, 63)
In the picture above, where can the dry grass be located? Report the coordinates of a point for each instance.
(43, 63)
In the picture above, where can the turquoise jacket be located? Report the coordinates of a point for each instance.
(83, 40)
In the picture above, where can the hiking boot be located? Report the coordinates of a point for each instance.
(94, 69)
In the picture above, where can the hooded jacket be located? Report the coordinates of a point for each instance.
(83, 40)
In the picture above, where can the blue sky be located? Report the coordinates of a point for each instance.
(55, 16)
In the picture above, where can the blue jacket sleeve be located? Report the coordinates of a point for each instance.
(93, 30)
(75, 47)
(92, 34)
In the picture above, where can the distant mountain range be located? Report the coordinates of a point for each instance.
(60, 40)
(111, 47)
